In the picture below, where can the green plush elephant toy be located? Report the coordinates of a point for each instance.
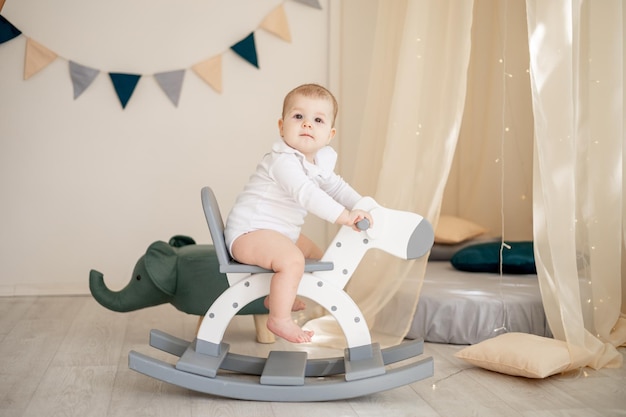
(180, 272)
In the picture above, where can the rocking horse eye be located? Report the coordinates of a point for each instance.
(138, 277)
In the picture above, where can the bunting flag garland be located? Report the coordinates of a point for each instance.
(124, 85)
(171, 83)
(276, 23)
(313, 3)
(82, 77)
(211, 72)
(37, 57)
(7, 30)
(246, 48)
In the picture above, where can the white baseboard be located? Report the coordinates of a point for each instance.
(42, 289)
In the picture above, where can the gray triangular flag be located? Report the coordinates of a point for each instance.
(312, 3)
(82, 77)
(171, 83)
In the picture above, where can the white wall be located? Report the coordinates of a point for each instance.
(85, 184)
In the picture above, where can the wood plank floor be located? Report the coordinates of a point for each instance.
(68, 356)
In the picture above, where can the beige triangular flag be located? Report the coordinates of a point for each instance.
(211, 72)
(276, 23)
(37, 58)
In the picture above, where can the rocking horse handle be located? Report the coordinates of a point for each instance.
(363, 224)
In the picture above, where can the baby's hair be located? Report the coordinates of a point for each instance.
(311, 90)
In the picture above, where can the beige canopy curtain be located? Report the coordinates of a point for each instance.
(412, 120)
(577, 67)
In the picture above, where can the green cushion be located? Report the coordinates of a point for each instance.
(485, 257)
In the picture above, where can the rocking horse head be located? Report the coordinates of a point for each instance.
(403, 234)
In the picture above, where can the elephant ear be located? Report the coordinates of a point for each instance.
(179, 241)
(161, 261)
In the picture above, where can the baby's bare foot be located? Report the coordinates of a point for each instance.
(298, 304)
(288, 330)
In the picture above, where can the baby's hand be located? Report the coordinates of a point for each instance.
(356, 216)
(351, 218)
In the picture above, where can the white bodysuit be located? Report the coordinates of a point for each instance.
(284, 188)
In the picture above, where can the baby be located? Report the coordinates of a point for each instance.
(295, 178)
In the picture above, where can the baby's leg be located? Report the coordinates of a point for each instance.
(272, 250)
(309, 249)
(298, 304)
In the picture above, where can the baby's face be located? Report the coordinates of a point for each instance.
(307, 125)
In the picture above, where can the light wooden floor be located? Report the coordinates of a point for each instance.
(68, 356)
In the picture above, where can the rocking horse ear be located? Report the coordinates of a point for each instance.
(161, 266)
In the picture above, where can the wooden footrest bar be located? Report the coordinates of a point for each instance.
(284, 368)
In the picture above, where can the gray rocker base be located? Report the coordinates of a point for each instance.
(324, 377)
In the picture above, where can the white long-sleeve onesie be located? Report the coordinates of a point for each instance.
(284, 188)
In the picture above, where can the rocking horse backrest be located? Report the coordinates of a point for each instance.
(216, 225)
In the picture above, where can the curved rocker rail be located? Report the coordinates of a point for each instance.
(244, 387)
(253, 365)
(323, 382)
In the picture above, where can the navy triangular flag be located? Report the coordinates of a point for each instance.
(171, 83)
(7, 30)
(124, 85)
(247, 49)
(82, 77)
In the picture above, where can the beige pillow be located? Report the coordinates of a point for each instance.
(519, 354)
(452, 230)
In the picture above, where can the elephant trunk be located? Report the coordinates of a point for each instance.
(127, 299)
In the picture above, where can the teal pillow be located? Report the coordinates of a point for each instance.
(485, 257)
